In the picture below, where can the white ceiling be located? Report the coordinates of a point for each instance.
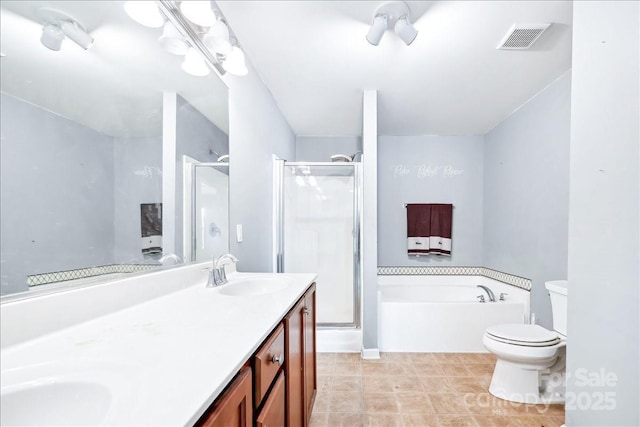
(116, 85)
(313, 57)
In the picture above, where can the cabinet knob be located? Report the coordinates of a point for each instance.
(306, 309)
(277, 358)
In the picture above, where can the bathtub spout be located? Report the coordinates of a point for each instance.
(489, 292)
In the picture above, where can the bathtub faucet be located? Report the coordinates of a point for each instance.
(489, 292)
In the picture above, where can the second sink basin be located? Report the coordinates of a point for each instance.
(55, 403)
(252, 286)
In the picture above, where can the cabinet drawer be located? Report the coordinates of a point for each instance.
(267, 362)
(272, 413)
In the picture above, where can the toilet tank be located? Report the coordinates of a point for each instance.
(558, 294)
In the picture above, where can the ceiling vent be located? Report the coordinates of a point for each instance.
(522, 36)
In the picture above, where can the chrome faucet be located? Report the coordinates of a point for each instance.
(489, 292)
(217, 274)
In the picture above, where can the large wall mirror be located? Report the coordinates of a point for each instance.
(88, 144)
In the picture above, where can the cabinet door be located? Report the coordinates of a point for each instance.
(234, 408)
(309, 351)
(294, 364)
(272, 413)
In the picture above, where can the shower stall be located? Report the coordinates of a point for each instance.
(318, 231)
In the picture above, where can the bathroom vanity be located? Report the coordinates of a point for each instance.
(284, 377)
(162, 349)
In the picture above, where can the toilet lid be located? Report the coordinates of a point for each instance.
(523, 334)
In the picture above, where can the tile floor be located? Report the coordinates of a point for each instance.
(418, 389)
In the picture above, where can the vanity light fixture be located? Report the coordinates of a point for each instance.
(198, 30)
(392, 14)
(145, 13)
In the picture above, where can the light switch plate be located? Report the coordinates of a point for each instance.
(238, 233)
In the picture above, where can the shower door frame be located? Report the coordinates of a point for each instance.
(189, 214)
(279, 168)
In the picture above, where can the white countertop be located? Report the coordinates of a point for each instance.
(164, 360)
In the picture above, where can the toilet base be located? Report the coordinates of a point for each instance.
(517, 383)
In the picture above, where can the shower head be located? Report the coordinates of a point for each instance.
(340, 158)
(219, 158)
(344, 157)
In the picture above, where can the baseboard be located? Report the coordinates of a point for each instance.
(370, 353)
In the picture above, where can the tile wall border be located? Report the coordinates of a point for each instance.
(83, 273)
(509, 279)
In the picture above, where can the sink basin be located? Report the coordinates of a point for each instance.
(48, 402)
(84, 392)
(253, 286)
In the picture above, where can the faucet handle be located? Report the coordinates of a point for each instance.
(481, 298)
(503, 295)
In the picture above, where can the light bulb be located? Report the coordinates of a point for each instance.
(145, 13)
(194, 64)
(198, 12)
(234, 62)
(217, 39)
(172, 40)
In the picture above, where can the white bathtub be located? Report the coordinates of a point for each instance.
(443, 314)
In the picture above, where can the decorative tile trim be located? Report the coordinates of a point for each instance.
(82, 273)
(509, 279)
(429, 271)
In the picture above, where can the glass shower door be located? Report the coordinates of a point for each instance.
(206, 210)
(320, 223)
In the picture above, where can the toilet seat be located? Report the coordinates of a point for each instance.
(523, 335)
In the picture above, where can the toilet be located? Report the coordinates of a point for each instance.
(531, 359)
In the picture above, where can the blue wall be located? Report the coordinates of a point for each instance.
(56, 195)
(526, 193)
(430, 169)
(320, 149)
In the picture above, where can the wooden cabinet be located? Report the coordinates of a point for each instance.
(300, 366)
(234, 407)
(272, 413)
(277, 386)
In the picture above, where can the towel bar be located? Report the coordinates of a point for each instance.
(452, 206)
